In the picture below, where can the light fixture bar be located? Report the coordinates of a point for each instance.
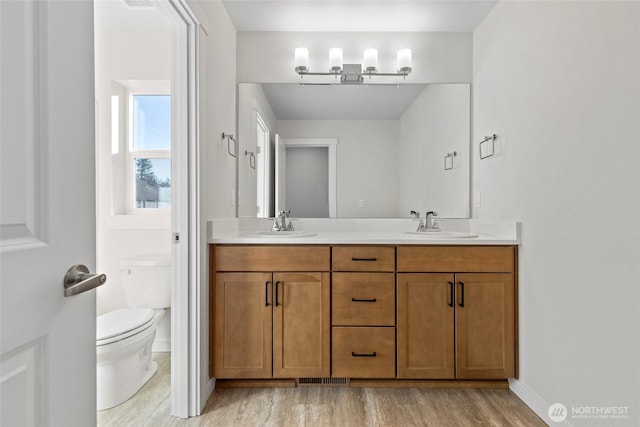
(353, 73)
(363, 73)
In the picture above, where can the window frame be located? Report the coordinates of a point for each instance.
(132, 154)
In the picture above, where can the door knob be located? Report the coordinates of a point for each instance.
(79, 280)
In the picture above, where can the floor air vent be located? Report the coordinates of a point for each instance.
(319, 382)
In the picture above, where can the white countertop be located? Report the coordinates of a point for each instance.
(486, 233)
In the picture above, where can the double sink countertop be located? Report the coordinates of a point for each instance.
(363, 231)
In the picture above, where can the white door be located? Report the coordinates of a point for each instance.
(262, 167)
(281, 169)
(47, 213)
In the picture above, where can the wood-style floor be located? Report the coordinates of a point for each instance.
(324, 406)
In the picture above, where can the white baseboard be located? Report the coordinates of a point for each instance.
(206, 393)
(535, 402)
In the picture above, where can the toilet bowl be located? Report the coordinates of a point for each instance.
(124, 337)
(123, 354)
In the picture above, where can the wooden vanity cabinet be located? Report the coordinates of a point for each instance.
(456, 325)
(271, 324)
(363, 312)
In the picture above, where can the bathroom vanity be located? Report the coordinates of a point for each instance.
(380, 310)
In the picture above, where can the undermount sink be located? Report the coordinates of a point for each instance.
(278, 234)
(442, 234)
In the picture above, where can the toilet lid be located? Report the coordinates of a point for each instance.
(121, 321)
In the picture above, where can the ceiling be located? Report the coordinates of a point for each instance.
(117, 14)
(358, 15)
(292, 101)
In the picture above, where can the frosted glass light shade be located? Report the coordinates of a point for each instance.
(370, 61)
(404, 61)
(335, 59)
(302, 59)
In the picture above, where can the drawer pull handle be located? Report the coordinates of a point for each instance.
(354, 354)
(364, 259)
(277, 293)
(266, 293)
(450, 294)
(363, 300)
(461, 304)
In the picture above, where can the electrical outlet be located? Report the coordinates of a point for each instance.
(361, 203)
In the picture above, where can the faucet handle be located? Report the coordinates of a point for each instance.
(288, 221)
(415, 214)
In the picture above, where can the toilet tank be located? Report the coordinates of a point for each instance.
(147, 281)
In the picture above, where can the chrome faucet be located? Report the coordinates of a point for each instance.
(282, 222)
(430, 223)
(416, 215)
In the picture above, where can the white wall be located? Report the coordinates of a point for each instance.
(437, 123)
(267, 57)
(251, 98)
(559, 83)
(125, 55)
(366, 162)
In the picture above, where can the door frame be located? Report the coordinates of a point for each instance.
(332, 145)
(186, 397)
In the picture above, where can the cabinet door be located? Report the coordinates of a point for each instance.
(301, 325)
(485, 317)
(243, 325)
(425, 325)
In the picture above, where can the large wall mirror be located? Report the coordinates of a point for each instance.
(353, 151)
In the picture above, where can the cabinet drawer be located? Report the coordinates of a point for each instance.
(272, 258)
(462, 259)
(363, 258)
(360, 352)
(365, 299)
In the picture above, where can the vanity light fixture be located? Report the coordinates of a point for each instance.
(352, 73)
(335, 60)
(370, 61)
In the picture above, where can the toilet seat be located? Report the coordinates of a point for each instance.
(121, 324)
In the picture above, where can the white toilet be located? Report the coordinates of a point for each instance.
(124, 336)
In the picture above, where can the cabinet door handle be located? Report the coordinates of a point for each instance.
(266, 293)
(363, 300)
(354, 354)
(364, 259)
(461, 294)
(277, 293)
(450, 294)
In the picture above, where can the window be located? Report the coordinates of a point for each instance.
(150, 152)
